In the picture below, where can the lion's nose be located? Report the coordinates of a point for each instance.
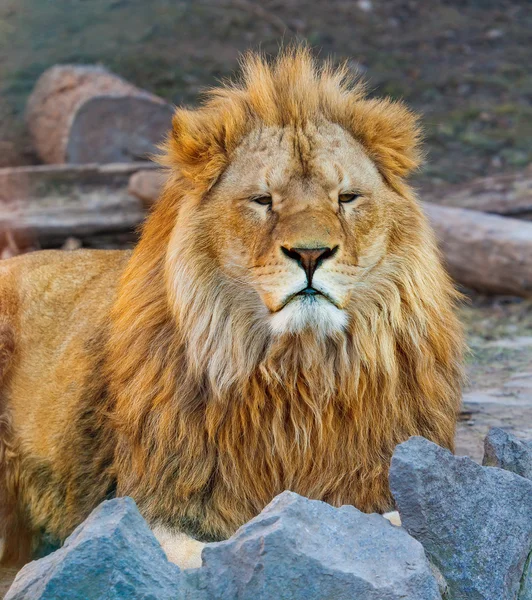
(309, 259)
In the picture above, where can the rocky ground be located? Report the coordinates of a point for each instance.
(499, 368)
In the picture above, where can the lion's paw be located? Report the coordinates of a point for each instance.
(180, 549)
(394, 517)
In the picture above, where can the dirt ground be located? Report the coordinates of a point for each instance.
(499, 369)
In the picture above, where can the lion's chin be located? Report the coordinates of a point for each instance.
(309, 313)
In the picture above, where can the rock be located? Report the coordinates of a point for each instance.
(82, 114)
(503, 450)
(440, 580)
(72, 243)
(525, 593)
(494, 34)
(48, 204)
(112, 555)
(146, 185)
(365, 5)
(306, 549)
(295, 549)
(474, 522)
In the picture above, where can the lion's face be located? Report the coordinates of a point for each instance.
(298, 219)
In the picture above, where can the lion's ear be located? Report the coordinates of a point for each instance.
(391, 134)
(195, 147)
(202, 140)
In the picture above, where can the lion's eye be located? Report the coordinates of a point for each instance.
(262, 200)
(348, 197)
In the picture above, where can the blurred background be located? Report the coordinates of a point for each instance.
(463, 64)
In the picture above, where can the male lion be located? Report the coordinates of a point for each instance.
(283, 323)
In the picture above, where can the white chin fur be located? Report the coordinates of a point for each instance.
(309, 313)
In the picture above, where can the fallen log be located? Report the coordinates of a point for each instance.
(85, 114)
(484, 252)
(506, 195)
(53, 203)
(509, 194)
(104, 204)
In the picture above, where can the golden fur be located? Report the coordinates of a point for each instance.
(182, 376)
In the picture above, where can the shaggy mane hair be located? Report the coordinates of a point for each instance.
(293, 90)
(214, 414)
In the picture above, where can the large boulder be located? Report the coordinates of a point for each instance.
(474, 522)
(112, 555)
(295, 549)
(525, 593)
(504, 450)
(306, 549)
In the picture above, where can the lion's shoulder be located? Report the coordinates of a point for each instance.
(52, 275)
(64, 264)
(44, 295)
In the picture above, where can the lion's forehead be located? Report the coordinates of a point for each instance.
(324, 153)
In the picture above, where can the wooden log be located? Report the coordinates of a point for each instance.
(53, 203)
(509, 194)
(484, 252)
(94, 203)
(489, 253)
(85, 114)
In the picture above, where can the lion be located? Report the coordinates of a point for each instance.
(283, 323)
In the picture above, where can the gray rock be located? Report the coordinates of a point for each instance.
(112, 555)
(474, 522)
(525, 592)
(503, 450)
(305, 549)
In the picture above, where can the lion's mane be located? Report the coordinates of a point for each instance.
(215, 415)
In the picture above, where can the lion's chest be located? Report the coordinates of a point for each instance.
(314, 455)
